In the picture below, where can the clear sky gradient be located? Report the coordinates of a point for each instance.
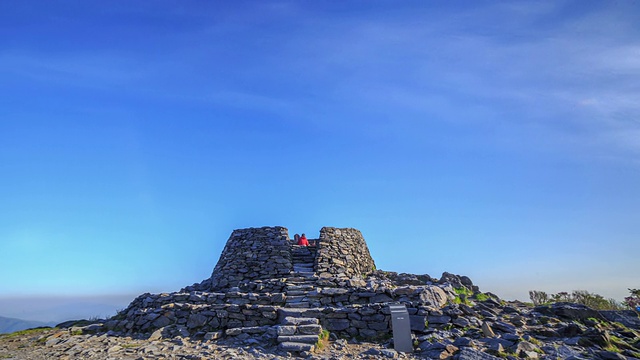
(497, 140)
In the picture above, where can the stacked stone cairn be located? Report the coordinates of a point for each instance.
(266, 289)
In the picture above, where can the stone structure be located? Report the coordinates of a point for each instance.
(343, 253)
(253, 254)
(267, 290)
(257, 255)
(264, 285)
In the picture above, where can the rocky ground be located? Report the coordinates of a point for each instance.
(472, 330)
(71, 344)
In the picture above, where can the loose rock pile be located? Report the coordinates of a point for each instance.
(274, 299)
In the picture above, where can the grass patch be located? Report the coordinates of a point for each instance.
(463, 291)
(619, 343)
(535, 341)
(323, 340)
(33, 331)
(461, 300)
(482, 297)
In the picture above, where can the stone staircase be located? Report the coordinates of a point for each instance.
(298, 333)
(299, 326)
(302, 281)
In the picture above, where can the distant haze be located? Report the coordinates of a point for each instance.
(58, 309)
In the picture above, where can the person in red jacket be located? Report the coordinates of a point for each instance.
(303, 240)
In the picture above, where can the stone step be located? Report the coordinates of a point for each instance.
(298, 277)
(295, 299)
(295, 292)
(266, 330)
(308, 339)
(301, 304)
(290, 320)
(300, 313)
(309, 329)
(300, 287)
(308, 282)
(291, 330)
(305, 281)
(295, 346)
(305, 274)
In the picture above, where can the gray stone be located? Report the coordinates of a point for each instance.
(610, 355)
(294, 346)
(473, 354)
(487, 331)
(628, 318)
(444, 319)
(196, 320)
(389, 353)
(114, 349)
(569, 311)
(418, 322)
(156, 335)
(286, 329)
(461, 322)
(309, 329)
(162, 321)
(504, 327)
(381, 298)
(337, 324)
(464, 342)
(53, 341)
(434, 296)
(213, 335)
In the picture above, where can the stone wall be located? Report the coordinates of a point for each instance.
(252, 254)
(343, 253)
(345, 312)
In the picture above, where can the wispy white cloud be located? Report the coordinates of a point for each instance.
(576, 74)
(95, 69)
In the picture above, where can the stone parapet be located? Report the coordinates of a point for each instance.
(252, 254)
(343, 253)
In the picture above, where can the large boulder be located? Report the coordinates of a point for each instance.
(434, 296)
(628, 318)
(458, 281)
(570, 311)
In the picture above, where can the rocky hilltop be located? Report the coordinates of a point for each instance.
(268, 298)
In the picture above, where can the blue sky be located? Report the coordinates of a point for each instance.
(498, 140)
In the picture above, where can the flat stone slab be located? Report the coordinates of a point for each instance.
(289, 320)
(309, 329)
(300, 313)
(301, 304)
(307, 339)
(294, 346)
(300, 287)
